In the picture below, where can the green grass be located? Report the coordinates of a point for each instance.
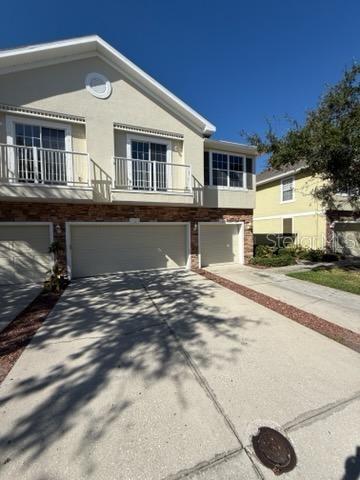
(346, 279)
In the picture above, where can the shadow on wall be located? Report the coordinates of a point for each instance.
(110, 329)
(352, 466)
(21, 261)
(198, 189)
(101, 183)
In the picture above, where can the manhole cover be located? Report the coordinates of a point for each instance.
(274, 450)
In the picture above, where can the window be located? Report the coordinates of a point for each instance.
(227, 170)
(287, 226)
(146, 175)
(287, 189)
(220, 169)
(43, 165)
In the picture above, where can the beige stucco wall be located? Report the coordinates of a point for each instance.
(222, 198)
(227, 198)
(60, 88)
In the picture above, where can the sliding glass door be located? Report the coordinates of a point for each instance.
(149, 165)
(40, 156)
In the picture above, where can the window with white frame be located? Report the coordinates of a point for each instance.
(39, 155)
(227, 170)
(287, 189)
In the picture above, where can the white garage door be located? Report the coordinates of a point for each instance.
(110, 248)
(24, 253)
(347, 238)
(219, 243)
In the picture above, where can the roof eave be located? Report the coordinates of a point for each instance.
(95, 44)
(279, 176)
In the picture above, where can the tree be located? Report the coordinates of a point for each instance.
(328, 142)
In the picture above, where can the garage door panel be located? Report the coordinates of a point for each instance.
(109, 249)
(219, 244)
(24, 253)
(347, 238)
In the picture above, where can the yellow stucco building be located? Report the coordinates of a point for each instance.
(285, 204)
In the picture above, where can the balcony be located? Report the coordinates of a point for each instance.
(33, 172)
(160, 179)
(43, 166)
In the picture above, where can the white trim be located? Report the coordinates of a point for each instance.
(227, 187)
(292, 178)
(68, 249)
(148, 131)
(94, 75)
(51, 52)
(234, 147)
(303, 214)
(188, 242)
(280, 175)
(10, 122)
(36, 113)
(127, 223)
(42, 185)
(150, 192)
(241, 238)
(144, 138)
(141, 138)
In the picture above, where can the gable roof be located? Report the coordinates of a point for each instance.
(33, 56)
(271, 174)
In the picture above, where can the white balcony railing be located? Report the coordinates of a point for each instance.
(33, 165)
(146, 175)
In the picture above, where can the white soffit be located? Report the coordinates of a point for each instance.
(48, 53)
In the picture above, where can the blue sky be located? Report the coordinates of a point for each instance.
(238, 63)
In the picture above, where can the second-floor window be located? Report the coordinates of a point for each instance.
(145, 173)
(287, 189)
(228, 170)
(48, 163)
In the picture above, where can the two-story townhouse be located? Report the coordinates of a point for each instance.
(100, 158)
(286, 205)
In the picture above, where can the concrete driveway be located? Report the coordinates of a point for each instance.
(167, 375)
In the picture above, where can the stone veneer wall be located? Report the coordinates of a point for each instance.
(59, 213)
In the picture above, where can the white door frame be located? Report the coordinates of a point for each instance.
(240, 238)
(68, 226)
(150, 139)
(10, 122)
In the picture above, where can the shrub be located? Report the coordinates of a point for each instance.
(275, 261)
(56, 281)
(330, 257)
(264, 251)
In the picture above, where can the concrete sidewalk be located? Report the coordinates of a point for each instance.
(167, 375)
(341, 308)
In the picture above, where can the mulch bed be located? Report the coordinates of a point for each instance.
(18, 333)
(340, 334)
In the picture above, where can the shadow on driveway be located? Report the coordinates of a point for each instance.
(106, 331)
